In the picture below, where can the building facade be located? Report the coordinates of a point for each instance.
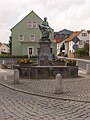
(60, 38)
(4, 49)
(26, 36)
(77, 40)
(83, 37)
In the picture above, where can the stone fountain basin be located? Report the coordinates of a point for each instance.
(47, 72)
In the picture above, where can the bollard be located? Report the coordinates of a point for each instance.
(88, 69)
(16, 76)
(58, 84)
(5, 77)
(76, 63)
(1, 77)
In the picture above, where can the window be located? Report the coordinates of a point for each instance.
(34, 25)
(84, 34)
(80, 42)
(21, 38)
(29, 24)
(32, 37)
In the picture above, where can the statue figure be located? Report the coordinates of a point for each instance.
(44, 28)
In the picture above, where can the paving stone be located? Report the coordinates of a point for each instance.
(15, 105)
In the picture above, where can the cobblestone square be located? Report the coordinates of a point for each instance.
(35, 100)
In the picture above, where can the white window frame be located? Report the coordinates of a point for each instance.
(84, 34)
(32, 37)
(34, 24)
(29, 24)
(21, 37)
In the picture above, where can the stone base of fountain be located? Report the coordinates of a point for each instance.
(47, 72)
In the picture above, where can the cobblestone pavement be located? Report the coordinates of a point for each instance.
(73, 88)
(20, 106)
(16, 105)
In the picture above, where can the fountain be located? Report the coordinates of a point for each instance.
(45, 69)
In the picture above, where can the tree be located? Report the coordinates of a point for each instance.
(83, 51)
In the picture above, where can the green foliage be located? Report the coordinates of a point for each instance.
(65, 55)
(81, 52)
(12, 56)
(4, 56)
(86, 46)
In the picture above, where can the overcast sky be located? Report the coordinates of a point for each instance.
(61, 14)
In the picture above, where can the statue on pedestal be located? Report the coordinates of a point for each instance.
(45, 51)
(45, 29)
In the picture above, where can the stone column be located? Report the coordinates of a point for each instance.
(58, 84)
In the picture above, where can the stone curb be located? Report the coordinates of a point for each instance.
(42, 95)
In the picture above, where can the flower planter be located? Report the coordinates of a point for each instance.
(25, 65)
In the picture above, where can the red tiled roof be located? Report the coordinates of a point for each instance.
(57, 40)
(73, 35)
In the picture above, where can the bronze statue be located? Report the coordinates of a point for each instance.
(44, 28)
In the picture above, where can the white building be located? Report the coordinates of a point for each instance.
(4, 48)
(77, 39)
(83, 37)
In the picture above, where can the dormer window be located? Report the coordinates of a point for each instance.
(84, 34)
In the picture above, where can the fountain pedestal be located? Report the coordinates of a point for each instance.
(45, 56)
